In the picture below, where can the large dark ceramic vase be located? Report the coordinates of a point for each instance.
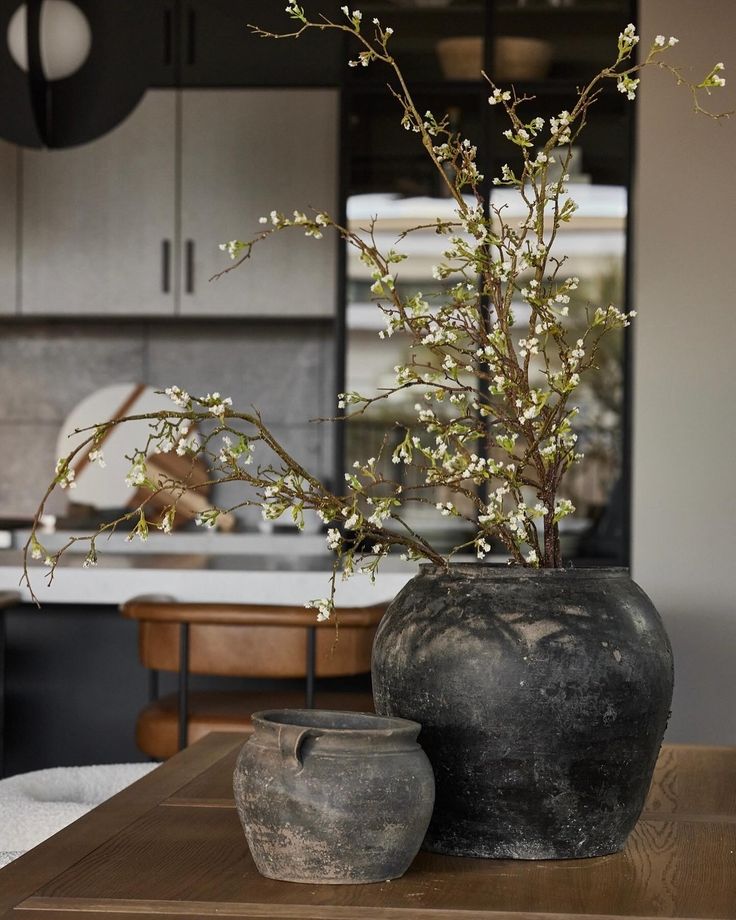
(543, 696)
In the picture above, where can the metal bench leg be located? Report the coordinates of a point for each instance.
(311, 665)
(183, 684)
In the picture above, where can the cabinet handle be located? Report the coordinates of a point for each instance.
(168, 43)
(166, 266)
(191, 37)
(189, 267)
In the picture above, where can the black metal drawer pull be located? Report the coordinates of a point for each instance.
(166, 266)
(189, 269)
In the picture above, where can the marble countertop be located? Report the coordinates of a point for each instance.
(277, 575)
(276, 568)
(181, 542)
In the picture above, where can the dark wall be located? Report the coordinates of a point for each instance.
(73, 687)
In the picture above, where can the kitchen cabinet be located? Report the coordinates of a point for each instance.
(8, 227)
(130, 225)
(98, 229)
(243, 154)
(216, 47)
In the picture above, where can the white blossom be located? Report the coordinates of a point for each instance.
(178, 396)
(499, 96)
(353, 521)
(482, 546)
(232, 248)
(628, 38)
(323, 606)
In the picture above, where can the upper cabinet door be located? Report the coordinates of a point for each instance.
(98, 220)
(8, 226)
(244, 154)
(217, 48)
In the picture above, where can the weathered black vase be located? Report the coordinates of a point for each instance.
(543, 697)
(333, 797)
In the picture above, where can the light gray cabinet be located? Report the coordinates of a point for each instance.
(245, 152)
(130, 225)
(98, 220)
(8, 227)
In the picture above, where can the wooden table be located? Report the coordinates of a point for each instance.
(171, 845)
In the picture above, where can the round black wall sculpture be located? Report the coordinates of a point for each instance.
(35, 112)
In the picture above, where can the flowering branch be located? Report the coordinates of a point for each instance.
(494, 410)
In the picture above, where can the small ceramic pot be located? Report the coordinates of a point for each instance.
(333, 797)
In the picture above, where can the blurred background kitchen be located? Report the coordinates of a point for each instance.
(167, 128)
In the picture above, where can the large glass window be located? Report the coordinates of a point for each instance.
(392, 186)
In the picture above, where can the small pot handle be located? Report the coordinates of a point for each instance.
(291, 739)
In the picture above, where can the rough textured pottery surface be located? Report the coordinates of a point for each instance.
(333, 797)
(543, 697)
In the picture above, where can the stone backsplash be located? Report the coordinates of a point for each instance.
(284, 368)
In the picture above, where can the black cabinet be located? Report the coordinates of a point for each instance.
(544, 48)
(208, 43)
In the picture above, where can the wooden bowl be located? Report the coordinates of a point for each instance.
(461, 57)
(521, 58)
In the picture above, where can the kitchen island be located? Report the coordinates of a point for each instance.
(74, 683)
(233, 568)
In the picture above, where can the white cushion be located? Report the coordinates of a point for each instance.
(34, 806)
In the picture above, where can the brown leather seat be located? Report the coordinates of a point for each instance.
(242, 640)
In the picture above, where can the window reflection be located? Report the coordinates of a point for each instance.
(595, 246)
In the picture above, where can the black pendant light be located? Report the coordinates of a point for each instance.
(70, 71)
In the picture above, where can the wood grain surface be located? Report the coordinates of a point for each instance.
(23, 877)
(172, 846)
(694, 782)
(689, 781)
